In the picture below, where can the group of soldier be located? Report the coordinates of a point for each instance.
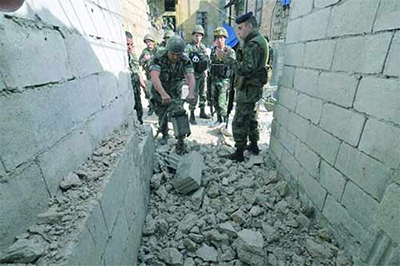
(173, 63)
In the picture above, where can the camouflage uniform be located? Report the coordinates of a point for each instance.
(135, 80)
(171, 77)
(251, 75)
(220, 82)
(146, 67)
(200, 91)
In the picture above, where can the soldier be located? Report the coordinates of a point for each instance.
(167, 35)
(144, 61)
(136, 80)
(168, 69)
(250, 69)
(197, 54)
(220, 74)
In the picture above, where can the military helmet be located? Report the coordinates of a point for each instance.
(198, 29)
(168, 34)
(220, 31)
(176, 45)
(148, 37)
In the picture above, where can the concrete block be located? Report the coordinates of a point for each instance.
(388, 218)
(23, 196)
(116, 185)
(352, 17)
(108, 88)
(339, 88)
(392, 65)
(300, 8)
(298, 126)
(341, 221)
(319, 54)
(292, 166)
(43, 49)
(324, 3)
(64, 157)
(387, 17)
(313, 189)
(315, 25)
(188, 175)
(294, 54)
(332, 180)
(343, 123)
(309, 108)
(307, 158)
(288, 140)
(92, 240)
(362, 207)
(287, 98)
(355, 54)
(276, 148)
(381, 141)
(293, 31)
(371, 175)
(287, 77)
(305, 80)
(281, 114)
(2, 169)
(322, 143)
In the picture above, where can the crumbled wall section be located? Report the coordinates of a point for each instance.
(64, 86)
(336, 129)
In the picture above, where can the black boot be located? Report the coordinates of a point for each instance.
(219, 118)
(192, 119)
(203, 114)
(236, 156)
(253, 148)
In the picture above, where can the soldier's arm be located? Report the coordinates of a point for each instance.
(250, 60)
(155, 79)
(190, 80)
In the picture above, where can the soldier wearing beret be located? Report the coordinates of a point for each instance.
(250, 70)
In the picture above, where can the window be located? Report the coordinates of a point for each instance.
(258, 11)
(202, 20)
(239, 8)
(169, 5)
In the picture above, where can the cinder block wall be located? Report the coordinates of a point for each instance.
(64, 86)
(336, 128)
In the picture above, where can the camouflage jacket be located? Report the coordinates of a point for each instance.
(199, 51)
(134, 69)
(146, 64)
(218, 69)
(171, 75)
(250, 68)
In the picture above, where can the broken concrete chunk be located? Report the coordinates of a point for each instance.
(188, 174)
(71, 180)
(24, 251)
(207, 253)
(228, 229)
(255, 160)
(172, 256)
(249, 247)
(188, 222)
(50, 216)
(317, 250)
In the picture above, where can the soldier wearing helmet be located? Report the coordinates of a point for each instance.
(197, 54)
(144, 61)
(168, 69)
(220, 74)
(167, 35)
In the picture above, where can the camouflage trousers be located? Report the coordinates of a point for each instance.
(245, 125)
(138, 103)
(218, 94)
(199, 94)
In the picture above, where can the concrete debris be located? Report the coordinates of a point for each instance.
(188, 175)
(24, 251)
(172, 256)
(237, 215)
(71, 180)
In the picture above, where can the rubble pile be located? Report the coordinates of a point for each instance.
(242, 214)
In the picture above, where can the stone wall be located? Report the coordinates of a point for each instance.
(336, 128)
(64, 87)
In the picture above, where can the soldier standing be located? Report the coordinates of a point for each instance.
(220, 74)
(251, 74)
(144, 61)
(168, 69)
(167, 35)
(198, 55)
(136, 79)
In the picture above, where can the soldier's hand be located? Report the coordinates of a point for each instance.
(190, 98)
(166, 98)
(146, 57)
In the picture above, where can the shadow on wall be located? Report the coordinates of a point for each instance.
(64, 86)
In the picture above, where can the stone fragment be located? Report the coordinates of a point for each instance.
(207, 253)
(149, 227)
(71, 180)
(239, 217)
(188, 222)
(254, 160)
(228, 229)
(303, 220)
(162, 192)
(196, 238)
(256, 211)
(173, 160)
(317, 250)
(249, 247)
(162, 227)
(24, 251)
(213, 190)
(172, 256)
(188, 174)
(50, 216)
(189, 244)
(189, 262)
(271, 233)
(197, 197)
(214, 235)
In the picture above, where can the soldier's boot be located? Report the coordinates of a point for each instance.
(219, 118)
(253, 148)
(180, 147)
(192, 119)
(203, 114)
(164, 139)
(236, 156)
